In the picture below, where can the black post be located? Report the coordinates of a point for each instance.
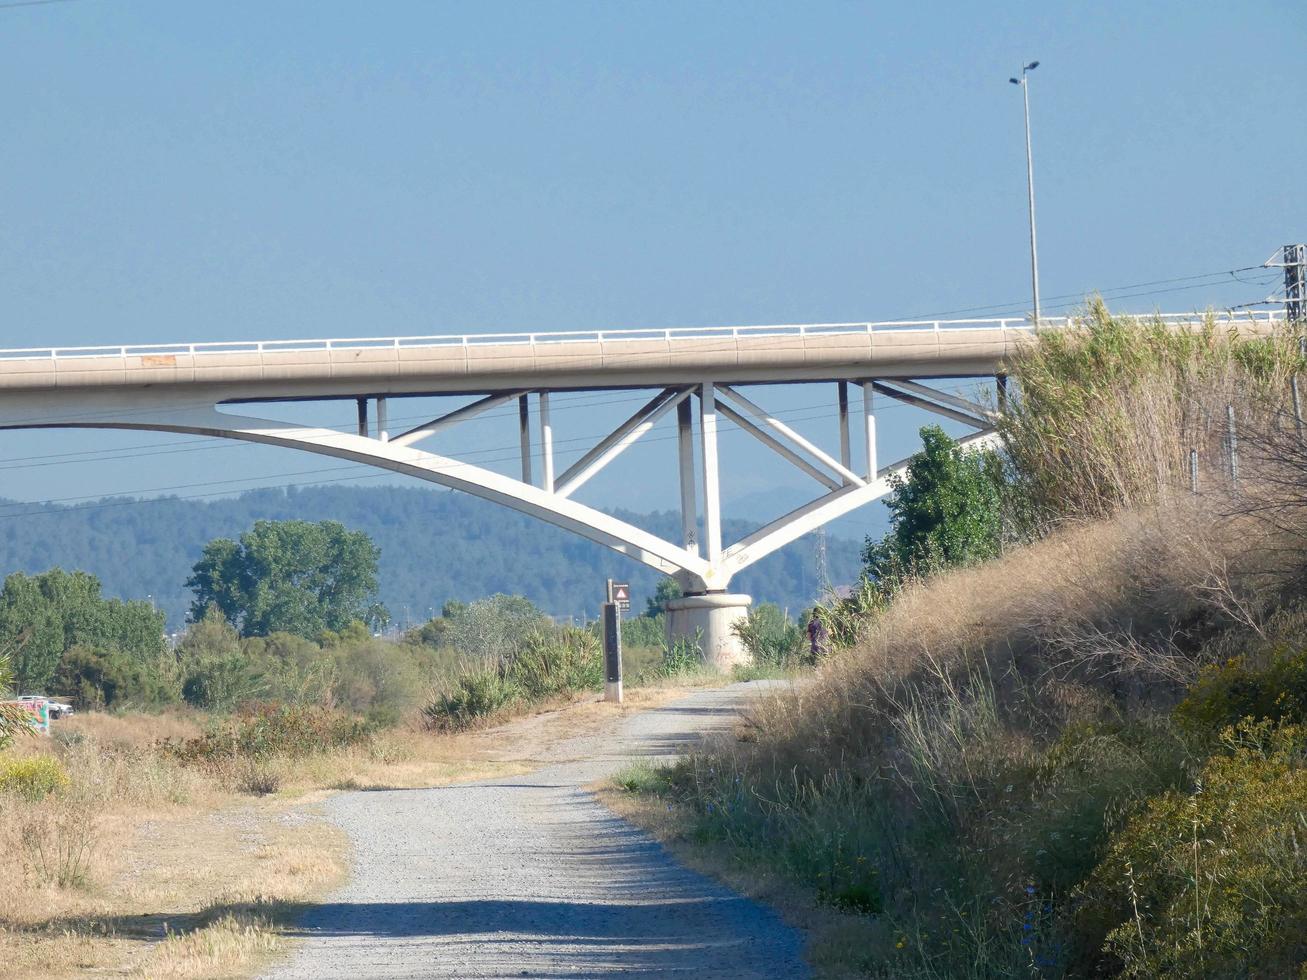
(612, 652)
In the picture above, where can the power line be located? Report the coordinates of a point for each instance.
(1077, 296)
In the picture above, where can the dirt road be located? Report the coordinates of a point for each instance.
(528, 876)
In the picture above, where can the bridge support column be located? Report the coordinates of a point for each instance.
(709, 620)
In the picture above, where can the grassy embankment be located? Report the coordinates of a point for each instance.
(1085, 758)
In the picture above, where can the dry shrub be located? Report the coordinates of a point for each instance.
(130, 730)
(55, 840)
(123, 776)
(257, 777)
(1107, 412)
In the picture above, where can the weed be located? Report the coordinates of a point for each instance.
(263, 730)
(470, 697)
(1212, 882)
(683, 658)
(258, 777)
(643, 777)
(58, 838)
(34, 777)
(771, 638)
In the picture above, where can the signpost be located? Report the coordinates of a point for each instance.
(619, 600)
(620, 593)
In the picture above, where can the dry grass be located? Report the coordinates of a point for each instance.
(178, 873)
(133, 731)
(1108, 611)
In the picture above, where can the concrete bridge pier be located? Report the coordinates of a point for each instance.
(709, 620)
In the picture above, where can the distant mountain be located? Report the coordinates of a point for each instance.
(435, 545)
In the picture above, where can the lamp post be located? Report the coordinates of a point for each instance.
(1030, 183)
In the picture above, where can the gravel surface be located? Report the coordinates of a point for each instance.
(529, 876)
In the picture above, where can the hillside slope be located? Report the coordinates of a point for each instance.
(434, 546)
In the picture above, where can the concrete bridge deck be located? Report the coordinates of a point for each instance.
(558, 361)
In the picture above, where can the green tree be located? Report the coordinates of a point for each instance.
(97, 678)
(947, 512)
(57, 610)
(496, 628)
(666, 590)
(289, 576)
(217, 673)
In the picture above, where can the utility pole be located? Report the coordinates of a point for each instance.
(1295, 283)
(1024, 82)
(823, 574)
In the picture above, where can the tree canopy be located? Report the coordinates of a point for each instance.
(666, 590)
(947, 512)
(289, 576)
(43, 616)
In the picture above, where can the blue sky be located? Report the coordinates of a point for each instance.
(240, 170)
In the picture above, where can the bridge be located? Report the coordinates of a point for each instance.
(696, 373)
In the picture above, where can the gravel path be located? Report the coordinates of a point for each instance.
(529, 876)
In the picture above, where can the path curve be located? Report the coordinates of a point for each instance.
(529, 876)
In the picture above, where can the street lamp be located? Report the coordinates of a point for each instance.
(1030, 183)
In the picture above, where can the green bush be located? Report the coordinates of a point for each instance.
(947, 510)
(771, 638)
(96, 678)
(223, 682)
(845, 617)
(33, 778)
(289, 668)
(558, 662)
(1080, 789)
(642, 631)
(1212, 882)
(471, 696)
(683, 657)
(495, 628)
(547, 663)
(377, 677)
(274, 729)
(1228, 692)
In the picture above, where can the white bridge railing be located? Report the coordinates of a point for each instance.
(599, 336)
